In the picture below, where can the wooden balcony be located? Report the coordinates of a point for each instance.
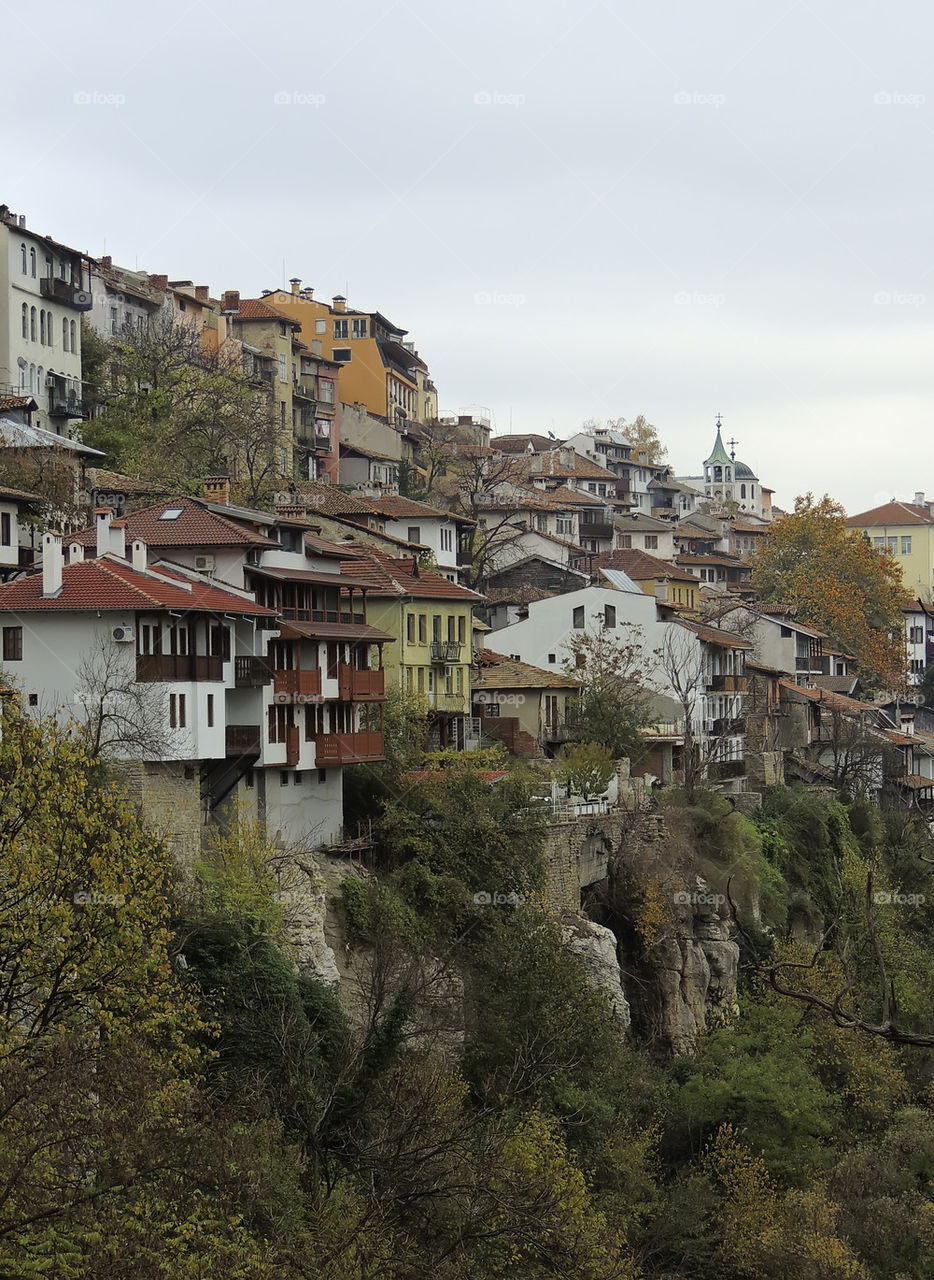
(728, 684)
(347, 748)
(251, 673)
(353, 684)
(243, 740)
(178, 666)
(303, 684)
(596, 529)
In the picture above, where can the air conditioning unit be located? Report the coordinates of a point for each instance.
(83, 298)
(205, 563)
(122, 635)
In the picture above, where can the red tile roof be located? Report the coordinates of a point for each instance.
(499, 672)
(713, 635)
(639, 565)
(258, 309)
(399, 508)
(894, 513)
(108, 583)
(384, 576)
(195, 527)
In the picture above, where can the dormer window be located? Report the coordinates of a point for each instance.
(171, 513)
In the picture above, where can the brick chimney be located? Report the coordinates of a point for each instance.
(296, 284)
(159, 282)
(231, 300)
(202, 292)
(107, 262)
(217, 489)
(338, 302)
(103, 517)
(52, 564)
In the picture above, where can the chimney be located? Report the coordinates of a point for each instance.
(140, 554)
(217, 489)
(102, 519)
(159, 282)
(118, 538)
(202, 292)
(75, 553)
(231, 300)
(338, 302)
(308, 293)
(52, 564)
(107, 262)
(296, 284)
(919, 499)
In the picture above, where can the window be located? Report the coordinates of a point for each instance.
(359, 328)
(420, 673)
(249, 779)
(25, 321)
(341, 355)
(210, 710)
(73, 332)
(49, 267)
(408, 679)
(283, 777)
(461, 629)
(322, 775)
(297, 778)
(415, 533)
(5, 529)
(460, 679)
(878, 543)
(651, 542)
(32, 324)
(623, 541)
(915, 635)
(742, 491)
(785, 633)
(609, 615)
(177, 710)
(42, 328)
(113, 319)
(578, 618)
(564, 525)
(451, 628)
(410, 628)
(321, 326)
(906, 546)
(422, 629)
(32, 263)
(551, 659)
(22, 250)
(436, 627)
(12, 644)
(340, 328)
(64, 334)
(325, 390)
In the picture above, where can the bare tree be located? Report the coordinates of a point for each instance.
(119, 715)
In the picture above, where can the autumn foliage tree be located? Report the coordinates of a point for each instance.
(838, 583)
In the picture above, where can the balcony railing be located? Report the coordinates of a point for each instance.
(65, 404)
(71, 295)
(564, 731)
(178, 666)
(729, 726)
(305, 684)
(347, 748)
(243, 740)
(353, 684)
(596, 529)
(251, 673)
(807, 664)
(727, 769)
(445, 651)
(728, 684)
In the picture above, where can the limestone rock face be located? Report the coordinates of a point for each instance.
(305, 915)
(596, 946)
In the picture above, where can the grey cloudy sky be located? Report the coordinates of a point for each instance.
(577, 211)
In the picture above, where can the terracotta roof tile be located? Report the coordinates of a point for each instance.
(499, 672)
(195, 527)
(639, 565)
(893, 513)
(384, 576)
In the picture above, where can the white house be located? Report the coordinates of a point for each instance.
(44, 289)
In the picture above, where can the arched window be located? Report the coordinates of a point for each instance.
(32, 263)
(742, 491)
(73, 335)
(727, 473)
(64, 333)
(22, 250)
(25, 321)
(32, 377)
(32, 323)
(42, 327)
(22, 373)
(40, 385)
(717, 475)
(752, 491)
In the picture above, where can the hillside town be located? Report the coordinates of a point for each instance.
(230, 623)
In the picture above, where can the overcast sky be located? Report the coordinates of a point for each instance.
(577, 211)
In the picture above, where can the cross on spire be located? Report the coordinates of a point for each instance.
(733, 444)
(718, 421)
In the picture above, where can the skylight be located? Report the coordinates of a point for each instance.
(171, 513)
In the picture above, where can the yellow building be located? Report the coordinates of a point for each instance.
(430, 619)
(655, 577)
(906, 530)
(379, 369)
